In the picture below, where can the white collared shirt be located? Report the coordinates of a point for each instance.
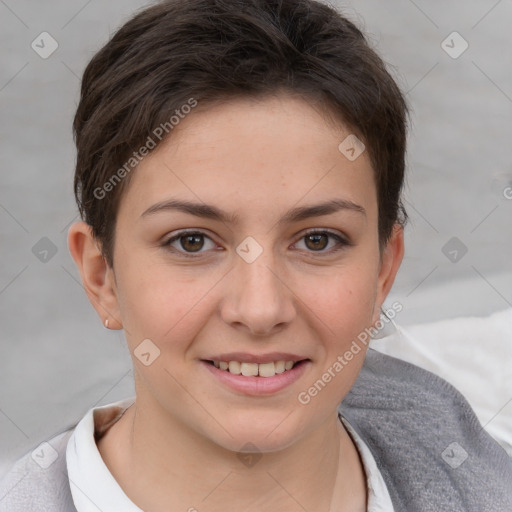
(379, 499)
(94, 488)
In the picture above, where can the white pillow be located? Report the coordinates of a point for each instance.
(474, 354)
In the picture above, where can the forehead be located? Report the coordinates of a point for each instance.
(264, 153)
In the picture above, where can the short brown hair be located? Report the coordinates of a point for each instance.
(216, 50)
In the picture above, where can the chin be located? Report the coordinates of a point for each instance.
(274, 433)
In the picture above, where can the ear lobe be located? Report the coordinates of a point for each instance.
(97, 276)
(391, 260)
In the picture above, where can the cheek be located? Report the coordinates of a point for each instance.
(163, 304)
(343, 301)
(342, 312)
(161, 307)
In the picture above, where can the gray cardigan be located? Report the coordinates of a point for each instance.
(433, 453)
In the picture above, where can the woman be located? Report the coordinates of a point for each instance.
(239, 170)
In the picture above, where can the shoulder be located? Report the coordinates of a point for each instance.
(426, 439)
(39, 480)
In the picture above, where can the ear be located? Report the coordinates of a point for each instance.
(390, 263)
(97, 276)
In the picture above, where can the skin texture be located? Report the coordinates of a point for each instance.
(177, 445)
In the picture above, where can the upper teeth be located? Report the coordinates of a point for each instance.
(254, 369)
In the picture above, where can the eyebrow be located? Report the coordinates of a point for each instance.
(294, 215)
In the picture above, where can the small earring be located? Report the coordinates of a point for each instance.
(106, 323)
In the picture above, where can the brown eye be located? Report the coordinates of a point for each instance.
(317, 241)
(188, 243)
(192, 243)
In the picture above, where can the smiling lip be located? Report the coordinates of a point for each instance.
(258, 386)
(244, 357)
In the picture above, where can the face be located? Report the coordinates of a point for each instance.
(249, 271)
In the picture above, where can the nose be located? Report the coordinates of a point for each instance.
(258, 300)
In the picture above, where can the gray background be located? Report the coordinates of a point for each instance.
(57, 360)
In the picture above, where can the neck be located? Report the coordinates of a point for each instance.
(186, 471)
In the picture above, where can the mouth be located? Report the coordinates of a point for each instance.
(256, 378)
(264, 370)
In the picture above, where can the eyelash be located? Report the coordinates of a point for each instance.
(342, 242)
